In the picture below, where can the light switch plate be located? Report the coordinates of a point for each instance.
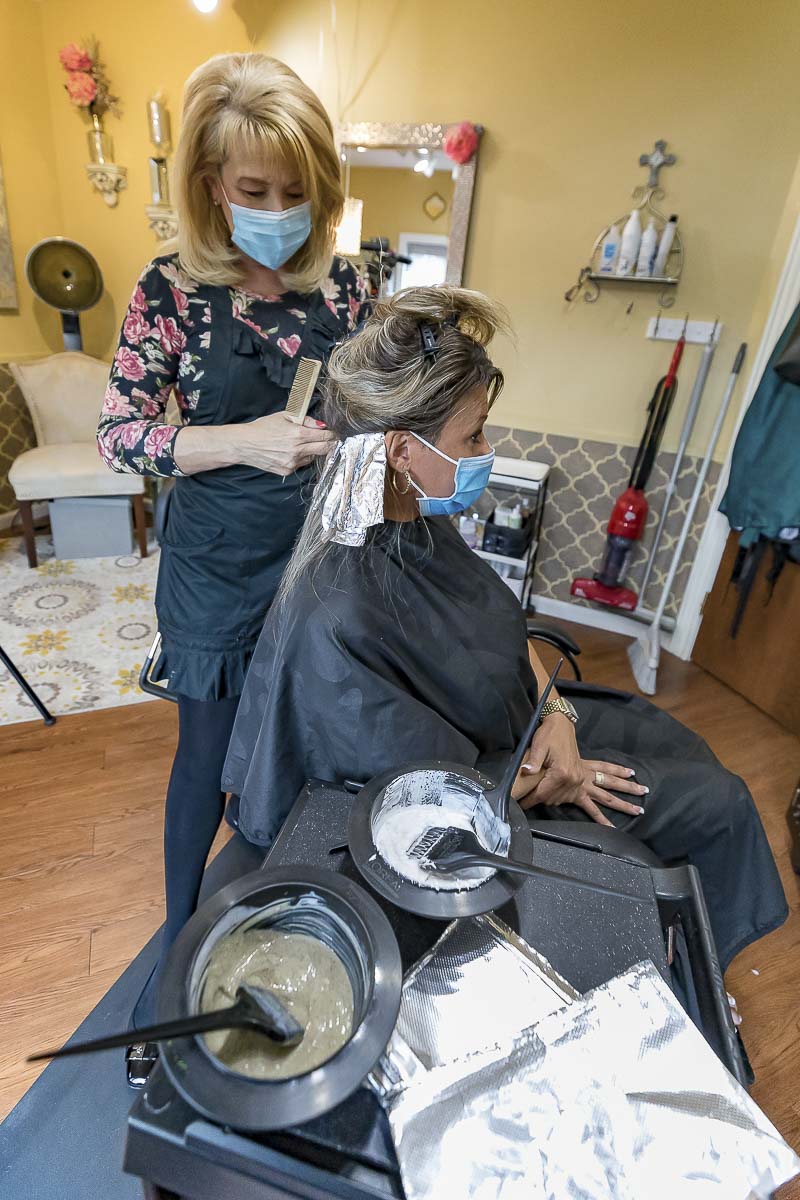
(669, 329)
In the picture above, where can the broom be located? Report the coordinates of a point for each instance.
(645, 652)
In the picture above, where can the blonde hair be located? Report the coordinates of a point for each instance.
(259, 104)
(379, 379)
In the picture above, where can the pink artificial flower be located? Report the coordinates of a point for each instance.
(173, 339)
(157, 439)
(131, 433)
(74, 59)
(81, 88)
(115, 404)
(289, 345)
(129, 364)
(461, 142)
(138, 300)
(181, 302)
(150, 406)
(135, 327)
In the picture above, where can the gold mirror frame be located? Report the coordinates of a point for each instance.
(376, 135)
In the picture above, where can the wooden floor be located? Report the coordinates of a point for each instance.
(81, 883)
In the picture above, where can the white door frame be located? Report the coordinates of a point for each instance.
(715, 534)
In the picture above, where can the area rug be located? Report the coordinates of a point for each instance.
(78, 630)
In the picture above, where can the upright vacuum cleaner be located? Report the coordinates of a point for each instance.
(629, 515)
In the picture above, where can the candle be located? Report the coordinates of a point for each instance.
(158, 121)
(159, 182)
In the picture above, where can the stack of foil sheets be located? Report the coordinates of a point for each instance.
(501, 1083)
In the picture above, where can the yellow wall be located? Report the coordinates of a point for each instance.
(393, 201)
(32, 192)
(571, 93)
(146, 46)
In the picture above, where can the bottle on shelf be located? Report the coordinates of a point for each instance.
(629, 247)
(664, 247)
(609, 251)
(647, 252)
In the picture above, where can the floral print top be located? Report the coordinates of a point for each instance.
(165, 346)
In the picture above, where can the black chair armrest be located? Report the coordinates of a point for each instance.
(542, 631)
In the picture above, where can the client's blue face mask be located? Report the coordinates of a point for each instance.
(471, 478)
(271, 238)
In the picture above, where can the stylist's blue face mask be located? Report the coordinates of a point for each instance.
(271, 238)
(471, 478)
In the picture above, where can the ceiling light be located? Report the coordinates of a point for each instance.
(361, 149)
(205, 6)
(422, 150)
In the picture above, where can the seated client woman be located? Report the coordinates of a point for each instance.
(392, 641)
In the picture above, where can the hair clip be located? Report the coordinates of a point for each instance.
(429, 345)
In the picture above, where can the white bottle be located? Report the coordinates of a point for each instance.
(631, 241)
(647, 252)
(609, 251)
(664, 246)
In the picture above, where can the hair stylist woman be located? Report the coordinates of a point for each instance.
(223, 324)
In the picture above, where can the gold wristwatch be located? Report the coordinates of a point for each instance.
(560, 706)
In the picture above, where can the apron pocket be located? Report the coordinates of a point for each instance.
(202, 591)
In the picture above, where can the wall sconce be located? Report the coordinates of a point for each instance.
(161, 215)
(348, 233)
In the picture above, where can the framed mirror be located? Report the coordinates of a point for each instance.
(408, 204)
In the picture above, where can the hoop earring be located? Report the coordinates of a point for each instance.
(407, 488)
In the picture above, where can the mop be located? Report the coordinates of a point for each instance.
(686, 433)
(645, 652)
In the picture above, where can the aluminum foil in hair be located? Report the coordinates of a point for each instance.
(354, 501)
(615, 1097)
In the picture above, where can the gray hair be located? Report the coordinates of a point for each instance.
(379, 380)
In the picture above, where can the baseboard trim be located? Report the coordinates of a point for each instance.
(596, 618)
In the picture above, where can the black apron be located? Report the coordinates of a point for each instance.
(228, 533)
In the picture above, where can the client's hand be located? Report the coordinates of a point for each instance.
(278, 444)
(554, 773)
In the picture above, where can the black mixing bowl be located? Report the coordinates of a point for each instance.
(295, 899)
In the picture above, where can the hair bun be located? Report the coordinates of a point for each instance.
(470, 312)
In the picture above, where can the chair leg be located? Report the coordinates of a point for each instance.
(26, 515)
(140, 524)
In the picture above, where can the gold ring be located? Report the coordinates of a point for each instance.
(599, 778)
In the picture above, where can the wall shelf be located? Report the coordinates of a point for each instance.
(591, 280)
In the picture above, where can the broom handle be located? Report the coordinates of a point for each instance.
(698, 487)
(686, 430)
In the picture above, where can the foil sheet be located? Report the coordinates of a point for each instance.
(356, 468)
(450, 1005)
(617, 1097)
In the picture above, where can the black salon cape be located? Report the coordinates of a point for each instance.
(415, 649)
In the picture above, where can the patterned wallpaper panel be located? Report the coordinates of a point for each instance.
(585, 478)
(16, 434)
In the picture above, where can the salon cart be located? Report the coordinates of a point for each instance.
(348, 1153)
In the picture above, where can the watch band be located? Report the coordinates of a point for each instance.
(560, 706)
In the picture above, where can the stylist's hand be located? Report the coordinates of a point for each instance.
(278, 444)
(554, 773)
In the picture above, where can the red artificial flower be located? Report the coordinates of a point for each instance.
(74, 59)
(461, 142)
(81, 88)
